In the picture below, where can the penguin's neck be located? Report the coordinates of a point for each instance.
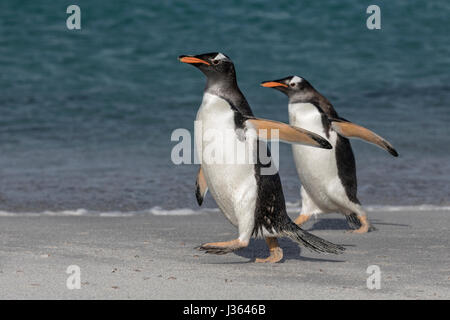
(229, 91)
(316, 99)
(307, 116)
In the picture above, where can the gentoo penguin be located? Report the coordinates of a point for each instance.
(252, 201)
(328, 178)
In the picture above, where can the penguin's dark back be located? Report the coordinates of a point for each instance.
(345, 160)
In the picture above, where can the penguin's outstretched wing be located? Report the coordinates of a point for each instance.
(200, 187)
(287, 133)
(350, 130)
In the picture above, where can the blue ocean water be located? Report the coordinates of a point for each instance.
(86, 115)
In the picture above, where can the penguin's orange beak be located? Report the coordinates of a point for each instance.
(271, 84)
(188, 59)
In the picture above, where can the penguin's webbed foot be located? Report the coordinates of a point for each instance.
(363, 229)
(276, 255)
(365, 226)
(222, 247)
(301, 219)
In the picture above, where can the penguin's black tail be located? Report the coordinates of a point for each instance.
(310, 241)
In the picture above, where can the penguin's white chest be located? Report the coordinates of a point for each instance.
(317, 168)
(227, 166)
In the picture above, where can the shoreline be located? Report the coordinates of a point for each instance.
(291, 207)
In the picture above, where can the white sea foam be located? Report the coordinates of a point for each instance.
(155, 211)
(291, 207)
(77, 212)
(158, 211)
(295, 207)
(422, 207)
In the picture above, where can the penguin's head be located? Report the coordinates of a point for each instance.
(293, 86)
(215, 65)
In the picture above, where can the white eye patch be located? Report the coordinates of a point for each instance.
(295, 79)
(220, 56)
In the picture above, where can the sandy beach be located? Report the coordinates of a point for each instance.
(153, 257)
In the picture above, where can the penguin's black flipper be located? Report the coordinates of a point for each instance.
(350, 130)
(200, 187)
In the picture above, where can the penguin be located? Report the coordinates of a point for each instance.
(250, 199)
(328, 178)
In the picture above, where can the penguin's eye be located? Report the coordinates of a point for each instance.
(293, 84)
(215, 62)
